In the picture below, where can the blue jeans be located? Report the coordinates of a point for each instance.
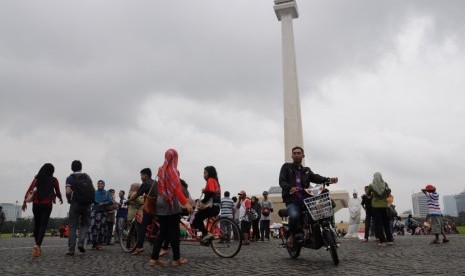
(293, 211)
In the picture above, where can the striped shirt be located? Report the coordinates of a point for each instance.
(433, 204)
(227, 205)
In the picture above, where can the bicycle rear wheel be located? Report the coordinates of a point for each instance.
(128, 237)
(226, 238)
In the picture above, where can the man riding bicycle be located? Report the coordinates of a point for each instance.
(294, 179)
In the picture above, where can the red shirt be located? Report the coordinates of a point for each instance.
(49, 200)
(212, 186)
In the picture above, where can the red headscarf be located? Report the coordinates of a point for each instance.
(168, 177)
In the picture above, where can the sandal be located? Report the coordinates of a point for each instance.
(35, 251)
(153, 262)
(164, 252)
(137, 251)
(179, 262)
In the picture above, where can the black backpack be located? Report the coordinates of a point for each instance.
(83, 189)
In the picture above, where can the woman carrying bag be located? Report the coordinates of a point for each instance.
(42, 192)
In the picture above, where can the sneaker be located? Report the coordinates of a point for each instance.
(382, 244)
(365, 240)
(390, 243)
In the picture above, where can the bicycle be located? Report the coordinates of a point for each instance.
(226, 239)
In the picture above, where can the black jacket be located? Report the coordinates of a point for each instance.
(287, 180)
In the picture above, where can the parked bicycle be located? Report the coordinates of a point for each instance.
(226, 239)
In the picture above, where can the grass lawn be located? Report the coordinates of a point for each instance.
(461, 229)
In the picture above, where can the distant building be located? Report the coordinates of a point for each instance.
(450, 205)
(460, 202)
(10, 209)
(420, 205)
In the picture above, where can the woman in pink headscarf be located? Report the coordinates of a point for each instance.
(169, 202)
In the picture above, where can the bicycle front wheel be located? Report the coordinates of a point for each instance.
(128, 237)
(226, 238)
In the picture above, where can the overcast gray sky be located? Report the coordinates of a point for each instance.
(116, 83)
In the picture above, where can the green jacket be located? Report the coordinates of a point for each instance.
(379, 201)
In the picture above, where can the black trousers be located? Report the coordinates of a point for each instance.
(255, 230)
(41, 217)
(202, 215)
(382, 225)
(169, 231)
(368, 222)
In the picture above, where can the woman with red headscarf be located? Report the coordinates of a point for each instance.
(169, 202)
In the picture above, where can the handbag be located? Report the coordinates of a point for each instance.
(150, 203)
(251, 215)
(206, 205)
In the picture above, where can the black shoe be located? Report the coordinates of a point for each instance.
(70, 253)
(81, 248)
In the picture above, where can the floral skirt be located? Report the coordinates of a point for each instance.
(98, 227)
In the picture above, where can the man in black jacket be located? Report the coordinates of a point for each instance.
(294, 179)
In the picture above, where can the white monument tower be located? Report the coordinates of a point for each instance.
(286, 11)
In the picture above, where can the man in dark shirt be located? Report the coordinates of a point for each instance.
(294, 179)
(147, 182)
(79, 215)
(366, 204)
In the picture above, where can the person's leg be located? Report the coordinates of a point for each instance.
(245, 229)
(386, 228)
(45, 211)
(92, 233)
(266, 224)
(367, 226)
(118, 226)
(84, 218)
(37, 218)
(110, 225)
(257, 230)
(73, 223)
(173, 226)
(294, 217)
(101, 228)
(162, 236)
(146, 220)
(378, 214)
(262, 229)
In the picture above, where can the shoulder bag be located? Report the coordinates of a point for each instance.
(150, 203)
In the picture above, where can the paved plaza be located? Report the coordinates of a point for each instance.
(411, 255)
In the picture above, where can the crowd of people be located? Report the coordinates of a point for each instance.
(96, 214)
(382, 217)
